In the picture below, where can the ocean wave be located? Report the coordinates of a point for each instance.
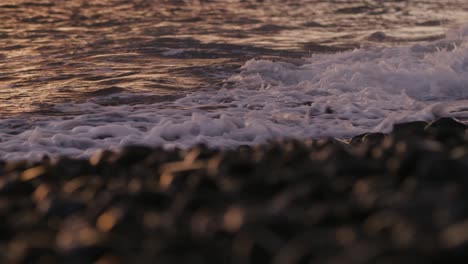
(327, 95)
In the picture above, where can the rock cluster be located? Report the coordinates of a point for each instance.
(376, 198)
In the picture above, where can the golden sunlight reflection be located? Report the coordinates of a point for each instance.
(59, 51)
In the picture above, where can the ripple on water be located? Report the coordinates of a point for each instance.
(82, 48)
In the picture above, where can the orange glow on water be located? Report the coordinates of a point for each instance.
(59, 51)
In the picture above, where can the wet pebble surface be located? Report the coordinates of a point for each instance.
(376, 198)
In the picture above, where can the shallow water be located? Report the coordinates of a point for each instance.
(76, 76)
(56, 51)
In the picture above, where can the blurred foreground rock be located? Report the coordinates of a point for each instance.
(398, 198)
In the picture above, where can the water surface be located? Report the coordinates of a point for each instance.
(61, 51)
(76, 76)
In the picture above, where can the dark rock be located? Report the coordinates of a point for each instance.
(62, 207)
(85, 254)
(446, 124)
(357, 139)
(447, 130)
(412, 155)
(133, 154)
(15, 188)
(384, 199)
(67, 168)
(39, 256)
(438, 169)
(152, 199)
(373, 138)
(409, 129)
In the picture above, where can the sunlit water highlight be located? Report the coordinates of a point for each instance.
(76, 77)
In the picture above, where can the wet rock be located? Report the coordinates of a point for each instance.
(446, 124)
(357, 139)
(152, 199)
(439, 169)
(66, 168)
(15, 188)
(39, 255)
(133, 154)
(409, 129)
(409, 156)
(377, 36)
(379, 198)
(373, 138)
(447, 130)
(61, 207)
(85, 254)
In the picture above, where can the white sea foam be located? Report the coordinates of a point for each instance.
(329, 95)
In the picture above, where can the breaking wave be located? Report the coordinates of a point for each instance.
(326, 95)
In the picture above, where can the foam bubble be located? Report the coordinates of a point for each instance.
(328, 95)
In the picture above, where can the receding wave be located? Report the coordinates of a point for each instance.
(326, 95)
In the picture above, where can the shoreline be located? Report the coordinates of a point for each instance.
(397, 198)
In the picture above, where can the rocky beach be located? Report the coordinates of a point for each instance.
(376, 198)
(236, 132)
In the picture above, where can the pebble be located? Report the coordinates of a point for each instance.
(376, 198)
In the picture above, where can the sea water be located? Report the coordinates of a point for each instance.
(93, 75)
